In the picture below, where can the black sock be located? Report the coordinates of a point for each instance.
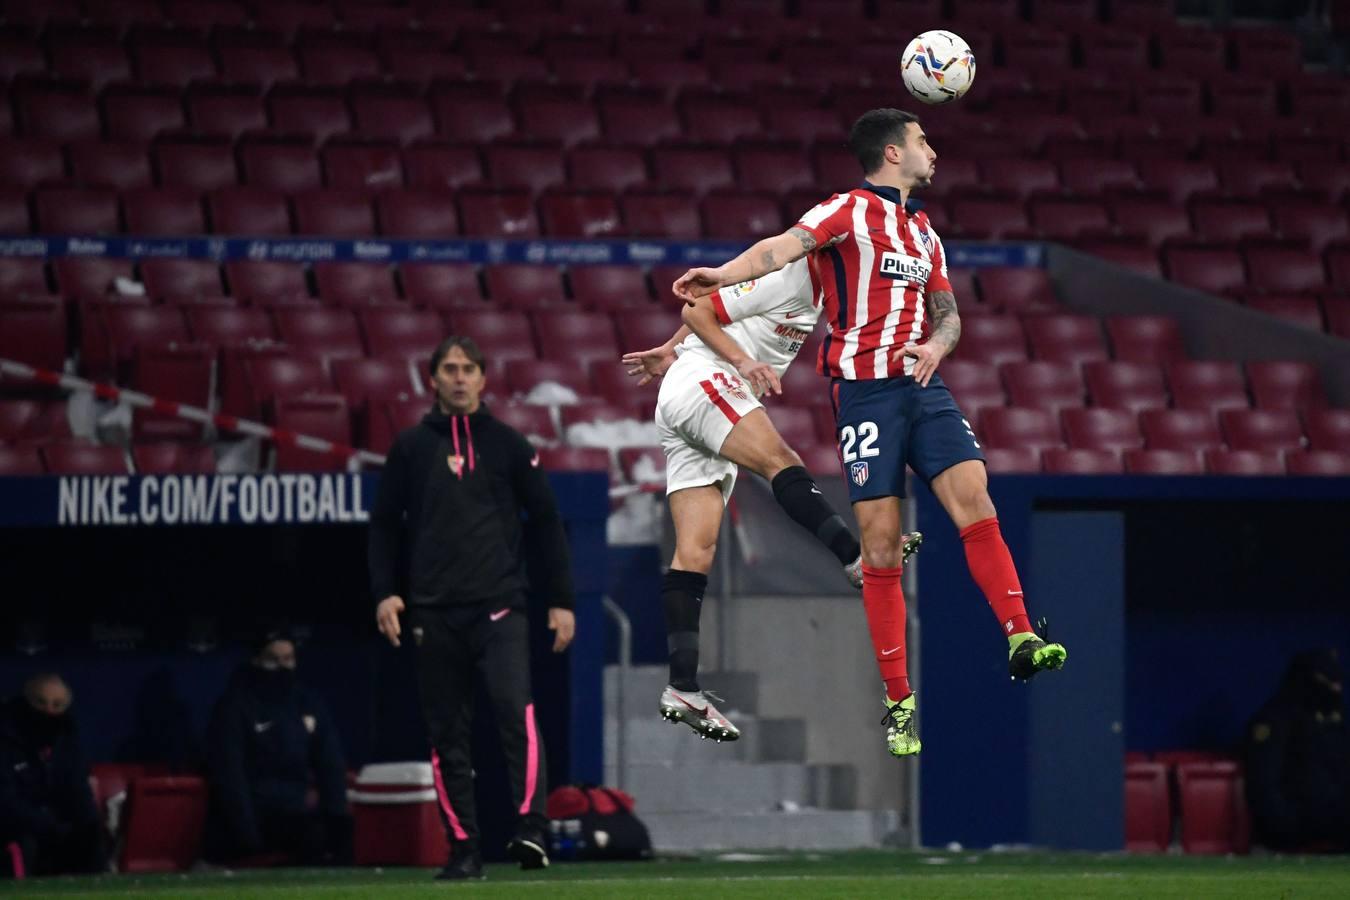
(796, 492)
(682, 600)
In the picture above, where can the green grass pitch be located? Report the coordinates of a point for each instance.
(775, 877)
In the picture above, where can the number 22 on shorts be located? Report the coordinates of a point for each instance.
(865, 437)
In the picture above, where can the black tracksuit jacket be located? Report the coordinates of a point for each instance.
(447, 525)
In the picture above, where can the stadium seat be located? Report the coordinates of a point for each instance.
(227, 326)
(502, 335)
(65, 210)
(178, 277)
(478, 120)
(165, 817)
(580, 215)
(1042, 385)
(1220, 221)
(333, 65)
(1244, 462)
(437, 165)
(226, 113)
(1012, 460)
(1213, 270)
(658, 215)
(1156, 221)
(1164, 462)
(59, 114)
(392, 117)
(170, 457)
(1077, 461)
(508, 214)
(1149, 340)
(1317, 462)
(173, 65)
(334, 213)
(607, 168)
(991, 219)
(362, 381)
(524, 375)
(641, 329)
(612, 384)
(322, 416)
(692, 169)
(1262, 429)
(566, 122)
(1305, 312)
(1208, 385)
(574, 459)
(1148, 810)
(267, 377)
(975, 385)
(313, 112)
(1098, 177)
(85, 278)
(401, 333)
(1285, 269)
(163, 212)
(180, 373)
(1016, 289)
(14, 218)
(1212, 808)
(20, 461)
(524, 286)
(355, 284)
(33, 331)
(362, 167)
(23, 276)
(30, 162)
(772, 169)
(1016, 428)
(196, 165)
(629, 122)
(740, 216)
(1069, 220)
(1285, 384)
(1116, 430)
(992, 339)
(1338, 316)
(386, 416)
(258, 64)
(1125, 385)
(255, 212)
(1314, 223)
(609, 287)
(1070, 339)
(1020, 178)
(132, 326)
(1180, 429)
(320, 332)
(531, 420)
(418, 213)
(1327, 429)
(579, 336)
(1252, 178)
(440, 285)
(260, 281)
(77, 458)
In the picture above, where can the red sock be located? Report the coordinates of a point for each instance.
(992, 568)
(885, 608)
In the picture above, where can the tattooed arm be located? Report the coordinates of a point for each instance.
(943, 334)
(769, 255)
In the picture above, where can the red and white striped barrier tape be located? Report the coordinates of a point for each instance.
(232, 424)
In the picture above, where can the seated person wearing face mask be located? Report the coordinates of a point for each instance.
(47, 811)
(270, 742)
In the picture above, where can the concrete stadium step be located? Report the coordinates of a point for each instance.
(734, 787)
(652, 739)
(645, 684)
(807, 829)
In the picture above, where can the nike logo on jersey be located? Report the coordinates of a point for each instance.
(791, 315)
(889, 652)
(499, 614)
(1014, 593)
(260, 727)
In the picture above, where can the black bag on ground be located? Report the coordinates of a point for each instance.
(595, 823)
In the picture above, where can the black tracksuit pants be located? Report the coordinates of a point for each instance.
(456, 648)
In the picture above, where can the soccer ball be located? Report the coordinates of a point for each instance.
(938, 67)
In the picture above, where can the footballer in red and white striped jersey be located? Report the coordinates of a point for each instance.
(874, 262)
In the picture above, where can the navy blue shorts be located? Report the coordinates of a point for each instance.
(884, 424)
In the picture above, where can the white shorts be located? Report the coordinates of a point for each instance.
(698, 404)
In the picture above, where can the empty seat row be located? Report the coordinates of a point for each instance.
(1076, 461)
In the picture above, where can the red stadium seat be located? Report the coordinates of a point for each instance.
(258, 64)
(62, 210)
(257, 281)
(181, 373)
(1180, 180)
(991, 219)
(1316, 224)
(33, 331)
(1280, 384)
(334, 213)
(392, 117)
(574, 459)
(441, 165)
(61, 115)
(607, 168)
(640, 330)
(672, 216)
(14, 212)
(1304, 312)
(1116, 430)
(1327, 429)
(163, 211)
(337, 65)
(1017, 289)
(271, 376)
(1208, 385)
(501, 335)
(1082, 462)
(1226, 220)
(165, 817)
(724, 122)
(479, 120)
(1072, 339)
(697, 170)
(613, 385)
(772, 169)
(1145, 339)
(72, 458)
(1252, 178)
(740, 216)
(645, 466)
(313, 112)
(1262, 429)
(1244, 462)
(19, 461)
(1096, 177)
(320, 332)
(1156, 221)
(567, 122)
(363, 381)
(120, 165)
(1012, 460)
(1164, 462)
(440, 285)
(975, 385)
(1180, 429)
(20, 276)
(498, 214)
(582, 414)
(1016, 428)
(89, 278)
(365, 166)
(524, 375)
(609, 287)
(170, 457)
(992, 339)
(174, 65)
(249, 211)
(20, 421)
(226, 113)
(524, 286)
(355, 283)
(418, 213)
(1069, 220)
(630, 122)
(404, 333)
(579, 336)
(178, 277)
(1043, 385)
(580, 215)
(1212, 810)
(1285, 269)
(317, 415)
(29, 162)
(1020, 178)
(1148, 810)
(227, 326)
(533, 421)
(1213, 270)
(1125, 385)
(130, 327)
(197, 165)
(1318, 462)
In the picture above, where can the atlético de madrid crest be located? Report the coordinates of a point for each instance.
(858, 472)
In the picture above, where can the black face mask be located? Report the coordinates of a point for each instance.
(273, 683)
(44, 727)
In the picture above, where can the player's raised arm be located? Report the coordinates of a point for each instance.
(701, 317)
(768, 255)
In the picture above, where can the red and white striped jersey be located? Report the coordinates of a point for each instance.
(874, 263)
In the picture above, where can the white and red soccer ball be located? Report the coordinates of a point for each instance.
(938, 67)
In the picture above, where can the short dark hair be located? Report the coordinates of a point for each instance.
(876, 128)
(463, 342)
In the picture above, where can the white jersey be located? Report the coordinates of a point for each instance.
(770, 317)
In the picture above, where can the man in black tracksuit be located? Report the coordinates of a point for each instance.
(450, 508)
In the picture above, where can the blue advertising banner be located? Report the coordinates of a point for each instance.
(476, 251)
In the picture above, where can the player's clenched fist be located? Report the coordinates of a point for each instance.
(697, 283)
(386, 617)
